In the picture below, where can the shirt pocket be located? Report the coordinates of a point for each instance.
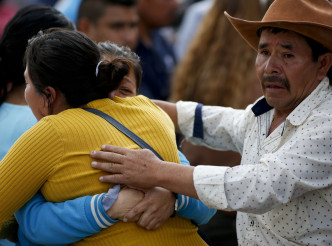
(289, 221)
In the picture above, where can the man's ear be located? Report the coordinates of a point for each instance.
(325, 62)
(84, 25)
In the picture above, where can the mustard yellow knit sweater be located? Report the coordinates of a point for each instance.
(53, 156)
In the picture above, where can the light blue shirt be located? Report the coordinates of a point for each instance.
(14, 121)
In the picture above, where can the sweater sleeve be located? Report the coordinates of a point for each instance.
(191, 208)
(61, 223)
(27, 165)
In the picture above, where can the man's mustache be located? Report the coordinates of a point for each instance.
(275, 79)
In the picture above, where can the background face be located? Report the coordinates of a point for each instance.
(157, 13)
(117, 25)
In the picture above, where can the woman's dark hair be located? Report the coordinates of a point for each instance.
(112, 51)
(26, 23)
(69, 62)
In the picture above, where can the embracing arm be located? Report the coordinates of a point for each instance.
(22, 166)
(44, 222)
(61, 223)
(170, 109)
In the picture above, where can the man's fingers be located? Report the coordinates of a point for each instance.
(113, 178)
(110, 157)
(106, 166)
(135, 213)
(114, 149)
(147, 222)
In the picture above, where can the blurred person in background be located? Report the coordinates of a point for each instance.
(156, 53)
(109, 20)
(7, 11)
(189, 25)
(136, 24)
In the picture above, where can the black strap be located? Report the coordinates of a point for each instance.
(140, 142)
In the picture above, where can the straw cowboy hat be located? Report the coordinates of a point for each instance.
(311, 18)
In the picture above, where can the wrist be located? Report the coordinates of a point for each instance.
(175, 206)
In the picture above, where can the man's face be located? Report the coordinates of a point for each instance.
(117, 25)
(157, 13)
(286, 70)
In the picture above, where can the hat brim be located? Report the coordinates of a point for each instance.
(248, 30)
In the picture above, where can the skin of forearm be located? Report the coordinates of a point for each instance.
(127, 199)
(170, 109)
(176, 178)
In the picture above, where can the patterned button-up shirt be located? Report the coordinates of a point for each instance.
(283, 188)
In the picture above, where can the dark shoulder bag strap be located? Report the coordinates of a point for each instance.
(140, 142)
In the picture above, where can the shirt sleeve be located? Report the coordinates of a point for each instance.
(299, 166)
(219, 128)
(62, 223)
(27, 165)
(191, 208)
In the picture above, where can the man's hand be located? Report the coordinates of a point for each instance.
(142, 169)
(137, 168)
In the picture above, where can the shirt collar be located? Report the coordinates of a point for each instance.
(301, 112)
(261, 107)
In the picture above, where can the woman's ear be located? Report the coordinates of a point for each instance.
(51, 96)
(51, 93)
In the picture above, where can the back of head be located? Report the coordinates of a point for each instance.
(71, 63)
(110, 51)
(224, 73)
(94, 9)
(25, 24)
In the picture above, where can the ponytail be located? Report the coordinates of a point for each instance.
(110, 74)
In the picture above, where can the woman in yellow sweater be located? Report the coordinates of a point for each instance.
(64, 73)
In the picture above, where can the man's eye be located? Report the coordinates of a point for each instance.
(288, 55)
(264, 52)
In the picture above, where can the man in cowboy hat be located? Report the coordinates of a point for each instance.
(282, 189)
